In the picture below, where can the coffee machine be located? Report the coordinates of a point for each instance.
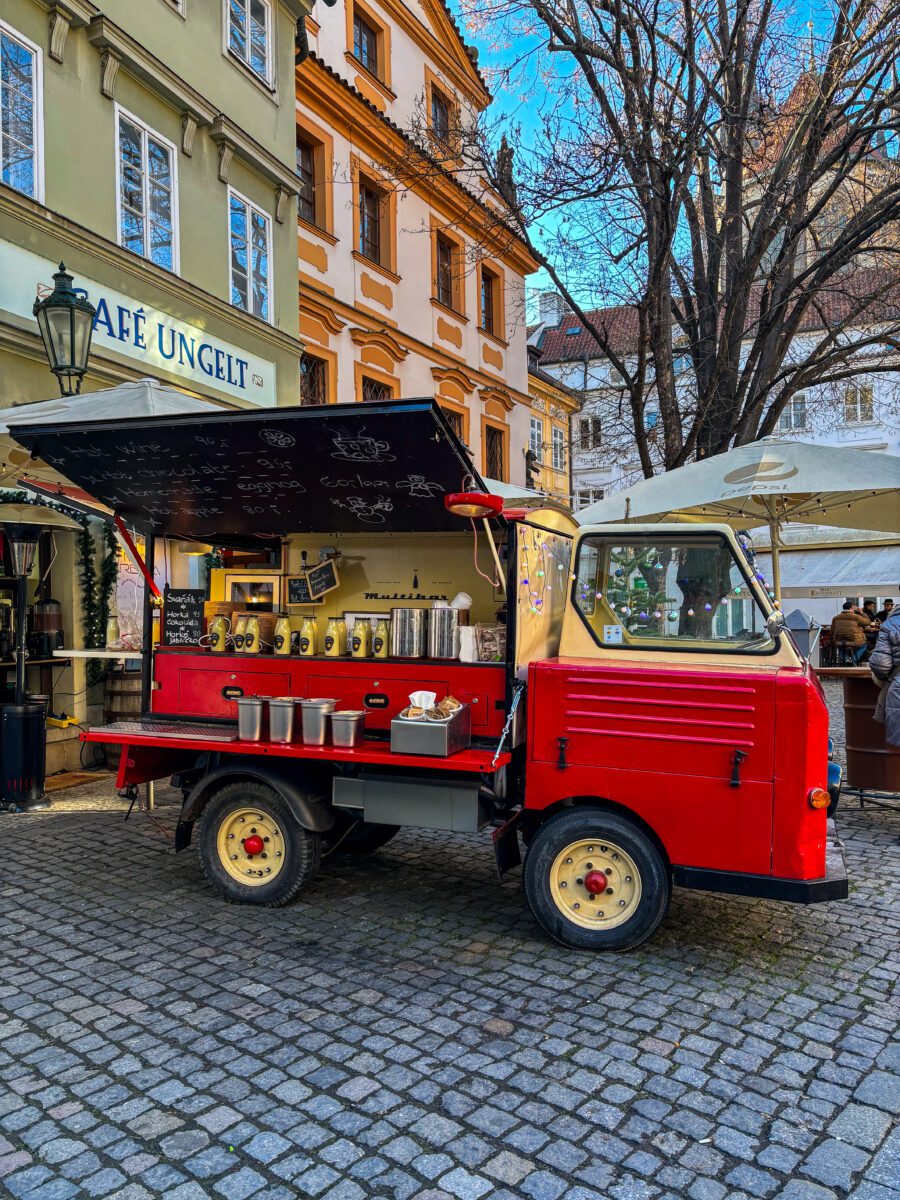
(46, 634)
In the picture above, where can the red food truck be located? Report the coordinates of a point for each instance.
(624, 701)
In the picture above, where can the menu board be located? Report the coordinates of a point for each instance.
(308, 587)
(182, 617)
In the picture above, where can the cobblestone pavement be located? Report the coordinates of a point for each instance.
(405, 1030)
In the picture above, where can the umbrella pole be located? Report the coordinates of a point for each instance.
(775, 544)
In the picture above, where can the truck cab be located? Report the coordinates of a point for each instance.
(680, 717)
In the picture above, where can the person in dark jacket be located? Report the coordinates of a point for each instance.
(885, 612)
(884, 664)
(849, 627)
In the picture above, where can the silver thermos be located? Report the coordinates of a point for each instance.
(408, 632)
(443, 633)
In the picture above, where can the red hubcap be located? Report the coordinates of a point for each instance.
(595, 882)
(254, 844)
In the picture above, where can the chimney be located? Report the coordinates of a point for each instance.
(551, 308)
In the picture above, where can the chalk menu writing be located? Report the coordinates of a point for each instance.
(257, 475)
(298, 590)
(182, 623)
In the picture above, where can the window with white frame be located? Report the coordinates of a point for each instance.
(590, 433)
(148, 194)
(536, 439)
(793, 415)
(250, 35)
(586, 496)
(250, 266)
(21, 149)
(859, 404)
(558, 444)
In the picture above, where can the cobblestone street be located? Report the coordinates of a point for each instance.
(405, 1030)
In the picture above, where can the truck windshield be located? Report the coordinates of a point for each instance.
(679, 592)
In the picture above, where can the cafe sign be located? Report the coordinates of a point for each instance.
(139, 331)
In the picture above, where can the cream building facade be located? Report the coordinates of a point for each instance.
(410, 285)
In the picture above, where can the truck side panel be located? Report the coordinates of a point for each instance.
(800, 831)
(661, 742)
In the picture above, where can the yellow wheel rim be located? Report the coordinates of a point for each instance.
(577, 888)
(250, 846)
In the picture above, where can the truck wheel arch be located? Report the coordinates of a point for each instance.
(535, 817)
(305, 797)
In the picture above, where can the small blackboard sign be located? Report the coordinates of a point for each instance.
(308, 587)
(298, 590)
(182, 618)
(323, 578)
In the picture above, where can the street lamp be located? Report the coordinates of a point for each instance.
(66, 322)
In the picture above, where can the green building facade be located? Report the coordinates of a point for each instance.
(151, 146)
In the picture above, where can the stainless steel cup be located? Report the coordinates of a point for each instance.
(315, 720)
(282, 711)
(251, 718)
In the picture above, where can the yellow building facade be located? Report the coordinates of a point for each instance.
(550, 420)
(410, 284)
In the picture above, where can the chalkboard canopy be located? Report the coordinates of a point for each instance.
(182, 616)
(343, 468)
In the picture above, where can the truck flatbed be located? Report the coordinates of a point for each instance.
(223, 739)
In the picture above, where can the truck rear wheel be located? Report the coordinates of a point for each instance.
(251, 848)
(596, 881)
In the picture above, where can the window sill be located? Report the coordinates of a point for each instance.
(325, 234)
(451, 312)
(376, 266)
(492, 337)
(370, 76)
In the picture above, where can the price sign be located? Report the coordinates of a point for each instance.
(182, 618)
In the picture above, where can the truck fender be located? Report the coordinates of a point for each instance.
(309, 811)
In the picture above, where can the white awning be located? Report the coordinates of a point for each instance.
(837, 572)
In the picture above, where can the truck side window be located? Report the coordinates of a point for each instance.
(679, 592)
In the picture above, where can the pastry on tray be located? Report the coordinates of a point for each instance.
(437, 714)
(449, 705)
(413, 713)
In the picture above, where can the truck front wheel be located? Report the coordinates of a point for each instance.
(596, 881)
(251, 848)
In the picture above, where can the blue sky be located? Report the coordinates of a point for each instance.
(518, 105)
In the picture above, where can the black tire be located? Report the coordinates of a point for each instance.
(618, 839)
(362, 839)
(833, 804)
(301, 849)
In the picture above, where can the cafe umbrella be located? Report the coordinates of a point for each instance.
(770, 482)
(135, 399)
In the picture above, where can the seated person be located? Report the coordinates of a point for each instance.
(882, 616)
(849, 627)
(869, 611)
